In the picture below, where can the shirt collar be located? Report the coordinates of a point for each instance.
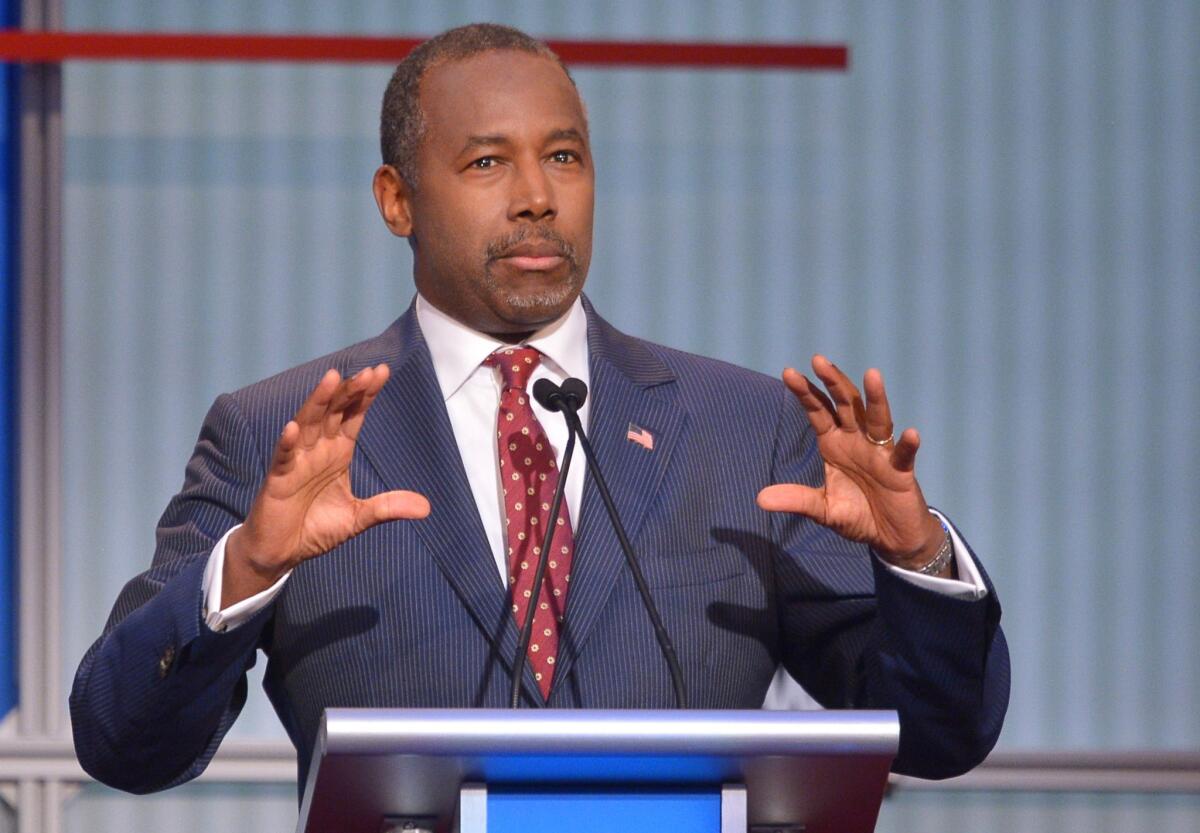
(458, 351)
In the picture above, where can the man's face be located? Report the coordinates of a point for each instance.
(502, 212)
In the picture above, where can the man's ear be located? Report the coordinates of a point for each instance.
(394, 198)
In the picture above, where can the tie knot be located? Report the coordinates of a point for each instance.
(516, 365)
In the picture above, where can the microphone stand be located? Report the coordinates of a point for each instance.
(574, 391)
(554, 397)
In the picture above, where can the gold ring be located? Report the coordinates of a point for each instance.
(874, 441)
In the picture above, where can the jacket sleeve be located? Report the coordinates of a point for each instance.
(155, 694)
(856, 636)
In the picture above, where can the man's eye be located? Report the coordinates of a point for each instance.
(484, 162)
(565, 157)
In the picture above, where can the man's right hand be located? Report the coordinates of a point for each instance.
(305, 507)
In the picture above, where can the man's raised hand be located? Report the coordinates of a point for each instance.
(870, 493)
(305, 506)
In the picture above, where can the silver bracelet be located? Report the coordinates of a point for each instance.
(941, 559)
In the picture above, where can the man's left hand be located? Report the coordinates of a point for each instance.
(870, 493)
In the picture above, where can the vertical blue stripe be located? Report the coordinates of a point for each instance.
(9, 212)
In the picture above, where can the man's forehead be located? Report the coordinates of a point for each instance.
(499, 92)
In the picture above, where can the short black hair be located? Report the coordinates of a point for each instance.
(401, 122)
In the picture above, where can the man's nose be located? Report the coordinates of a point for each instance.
(532, 194)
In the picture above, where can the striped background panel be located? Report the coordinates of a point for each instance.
(998, 205)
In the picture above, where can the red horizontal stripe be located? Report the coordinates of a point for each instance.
(676, 54)
(52, 47)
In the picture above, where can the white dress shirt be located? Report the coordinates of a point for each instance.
(472, 395)
(471, 392)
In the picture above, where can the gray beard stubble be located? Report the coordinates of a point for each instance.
(551, 298)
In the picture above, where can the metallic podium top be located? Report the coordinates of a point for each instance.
(823, 769)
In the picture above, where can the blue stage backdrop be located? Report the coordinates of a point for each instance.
(998, 204)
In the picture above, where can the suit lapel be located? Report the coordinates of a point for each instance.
(408, 439)
(629, 386)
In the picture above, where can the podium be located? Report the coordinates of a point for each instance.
(500, 771)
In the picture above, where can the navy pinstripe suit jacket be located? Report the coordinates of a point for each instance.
(413, 613)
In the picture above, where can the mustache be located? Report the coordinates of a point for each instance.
(503, 246)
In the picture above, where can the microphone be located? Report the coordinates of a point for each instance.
(574, 393)
(552, 398)
(568, 398)
(571, 394)
(548, 395)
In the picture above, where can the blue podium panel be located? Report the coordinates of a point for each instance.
(602, 811)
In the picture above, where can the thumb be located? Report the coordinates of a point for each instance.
(791, 497)
(391, 506)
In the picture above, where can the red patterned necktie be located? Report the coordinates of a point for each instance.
(529, 476)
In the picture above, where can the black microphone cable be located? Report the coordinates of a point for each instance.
(572, 395)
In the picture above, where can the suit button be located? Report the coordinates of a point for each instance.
(166, 661)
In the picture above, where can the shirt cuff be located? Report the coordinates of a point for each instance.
(969, 584)
(239, 612)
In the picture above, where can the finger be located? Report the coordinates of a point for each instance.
(351, 388)
(792, 497)
(878, 411)
(312, 412)
(285, 449)
(356, 413)
(344, 398)
(845, 396)
(814, 401)
(381, 374)
(904, 455)
(391, 506)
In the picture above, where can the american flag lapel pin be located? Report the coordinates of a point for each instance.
(638, 434)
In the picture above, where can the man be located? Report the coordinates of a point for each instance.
(375, 534)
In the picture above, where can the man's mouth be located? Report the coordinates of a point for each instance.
(533, 264)
(533, 256)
